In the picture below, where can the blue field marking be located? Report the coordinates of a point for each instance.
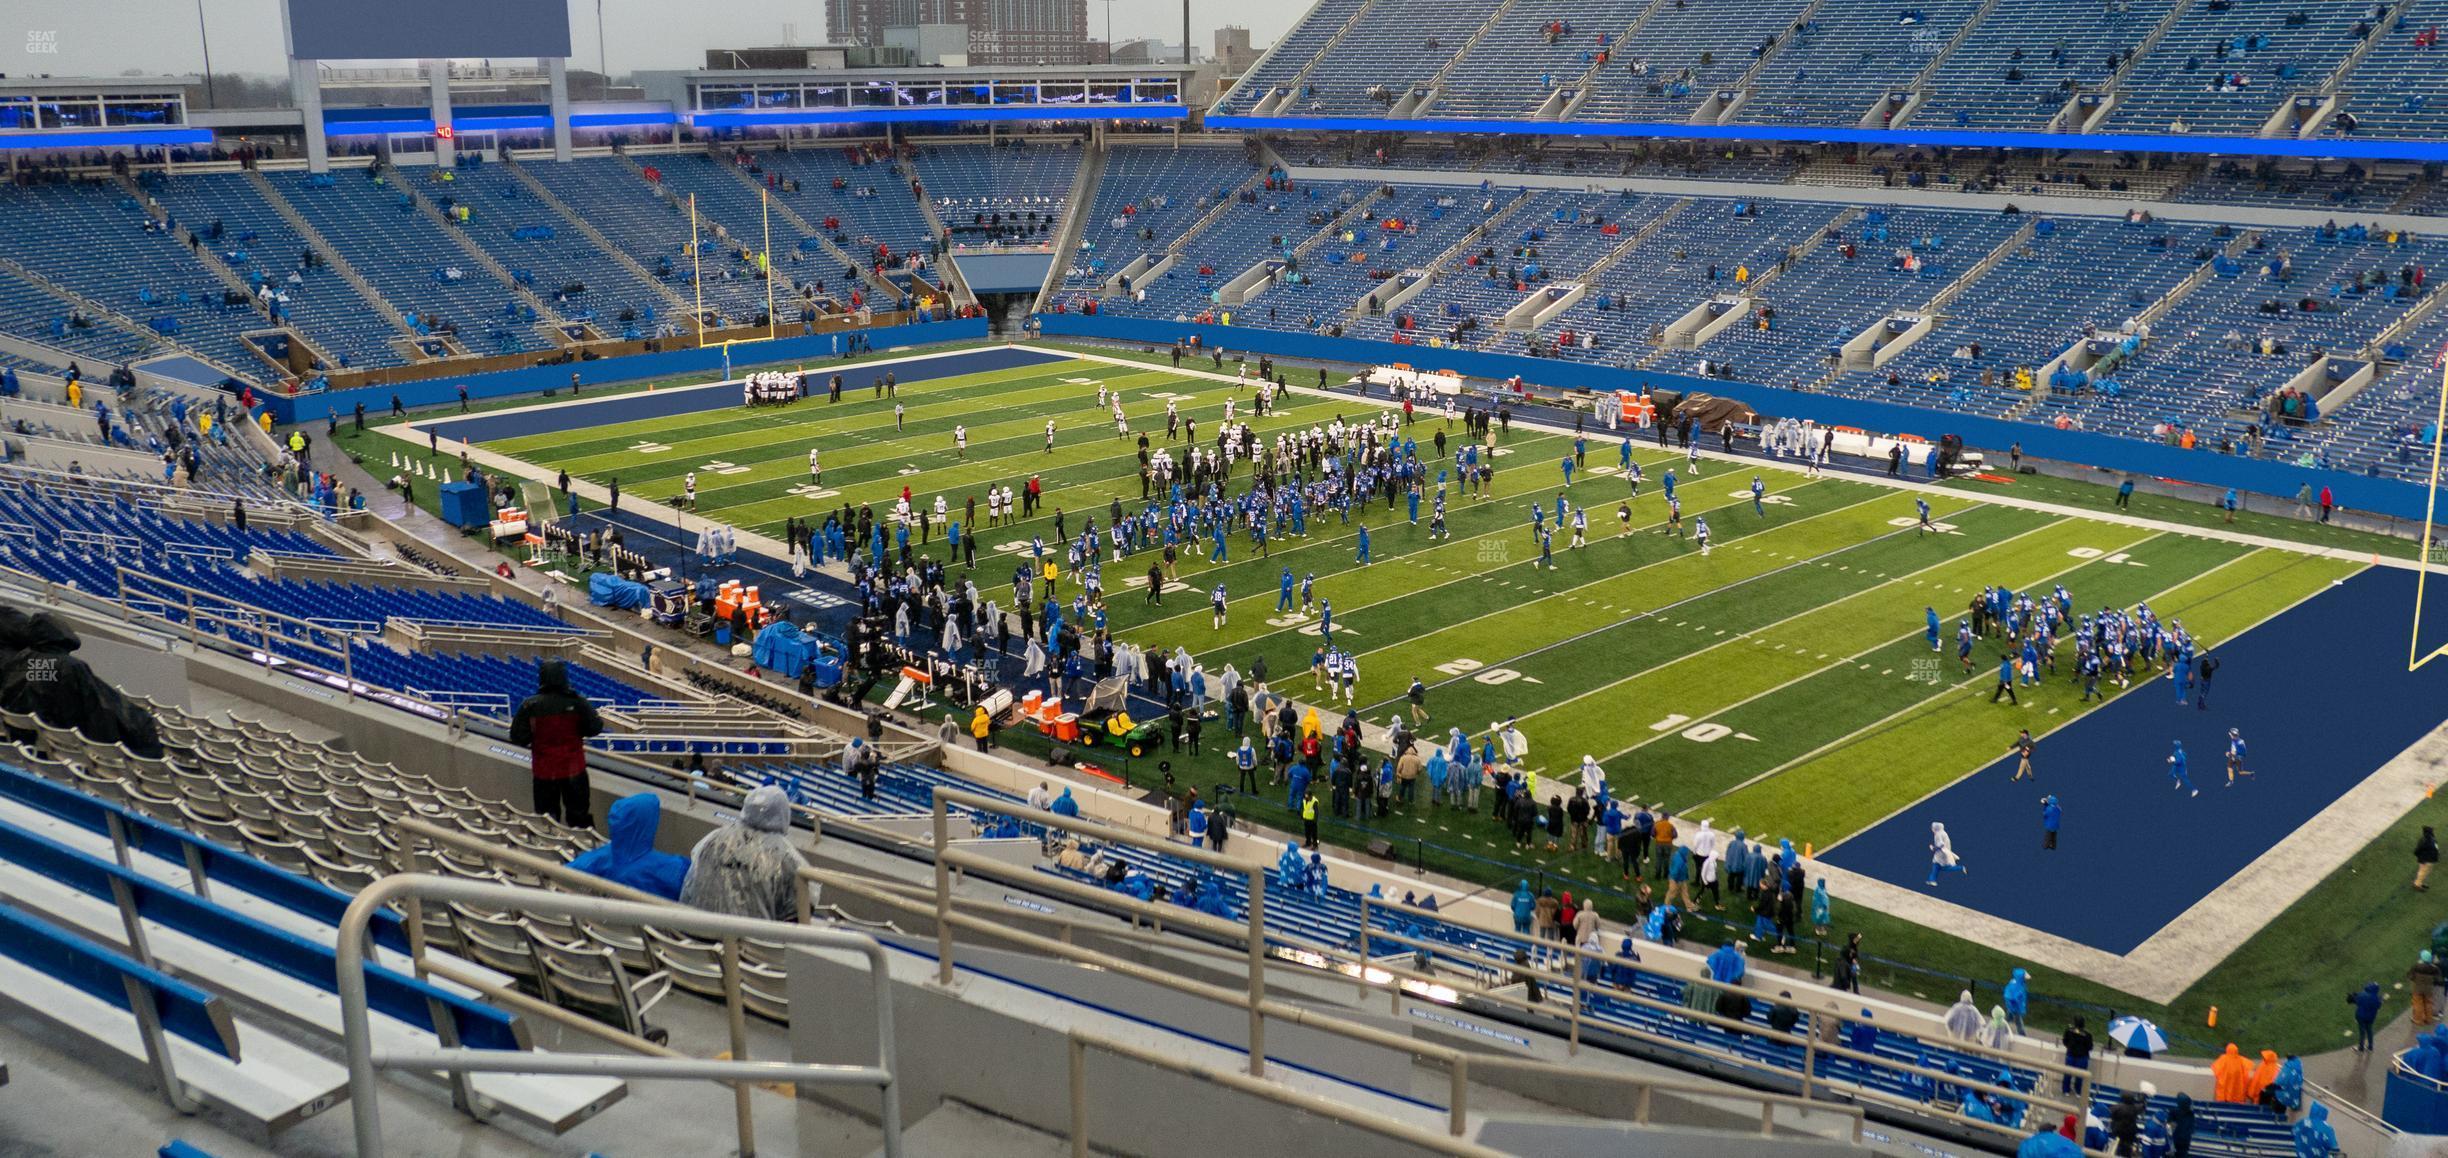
(2323, 698)
(645, 404)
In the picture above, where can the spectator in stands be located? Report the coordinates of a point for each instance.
(747, 868)
(2050, 1144)
(1963, 1019)
(629, 857)
(2314, 1137)
(2077, 1040)
(39, 678)
(553, 725)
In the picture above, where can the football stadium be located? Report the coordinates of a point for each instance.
(1464, 577)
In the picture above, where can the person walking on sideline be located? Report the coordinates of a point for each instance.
(1942, 854)
(2176, 771)
(553, 725)
(2005, 684)
(2022, 749)
(2426, 854)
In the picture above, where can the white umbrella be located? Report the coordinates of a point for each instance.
(2134, 1033)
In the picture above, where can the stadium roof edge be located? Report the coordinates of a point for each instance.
(1120, 112)
(2326, 148)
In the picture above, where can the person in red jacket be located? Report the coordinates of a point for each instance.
(553, 725)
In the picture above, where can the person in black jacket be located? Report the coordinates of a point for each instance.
(2125, 1123)
(2077, 1039)
(553, 725)
(2426, 854)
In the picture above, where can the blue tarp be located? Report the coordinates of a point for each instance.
(783, 648)
(608, 590)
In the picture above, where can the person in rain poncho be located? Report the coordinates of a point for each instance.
(2314, 1137)
(1822, 913)
(1728, 964)
(1064, 805)
(2286, 1093)
(1593, 777)
(748, 868)
(1963, 1019)
(1033, 662)
(629, 858)
(2050, 1144)
(1942, 854)
(1708, 861)
(2263, 1075)
(2231, 1075)
(2018, 998)
(1524, 907)
(1999, 1033)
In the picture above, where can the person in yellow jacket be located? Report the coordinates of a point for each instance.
(1309, 819)
(76, 394)
(265, 420)
(981, 727)
(204, 423)
(1310, 726)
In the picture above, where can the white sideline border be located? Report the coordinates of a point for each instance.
(2160, 969)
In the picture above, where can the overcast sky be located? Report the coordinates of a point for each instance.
(108, 37)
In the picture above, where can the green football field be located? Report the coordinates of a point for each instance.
(1780, 682)
(1773, 683)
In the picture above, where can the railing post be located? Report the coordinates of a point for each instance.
(1360, 975)
(1810, 1055)
(1572, 1042)
(735, 1012)
(1640, 1112)
(1458, 1113)
(1079, 1097)
(943, 894)
(1257, 972)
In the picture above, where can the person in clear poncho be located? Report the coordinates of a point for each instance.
(747, 868)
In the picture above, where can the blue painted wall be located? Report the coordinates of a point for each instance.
(2260, 476)
(628, 368)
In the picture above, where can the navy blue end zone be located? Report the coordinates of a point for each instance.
(645, 404)
(2323, 698)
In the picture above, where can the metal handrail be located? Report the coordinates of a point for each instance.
(363, 1061)
(1457, 1062)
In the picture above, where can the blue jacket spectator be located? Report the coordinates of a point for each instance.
(629, 858)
